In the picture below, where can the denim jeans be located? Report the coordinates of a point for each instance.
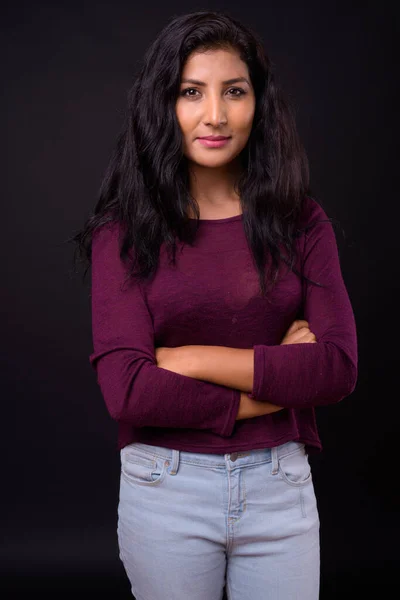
(191, 523)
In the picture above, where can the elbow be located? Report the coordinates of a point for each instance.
(350, 377)
(348, 373)
(345, 380)
(118, 405)
(352, 381)
(115, 409)
(123, 393)
(336, 379)
(130, 403)
(122, 408)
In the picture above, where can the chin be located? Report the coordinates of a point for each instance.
(215, 157)
(212, 164)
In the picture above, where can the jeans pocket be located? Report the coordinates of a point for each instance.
(141, 468)
(294, 468)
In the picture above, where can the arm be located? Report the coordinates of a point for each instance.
(230, 367)
(186, 360)
(297, 375)
(304, 375)
(134, 388)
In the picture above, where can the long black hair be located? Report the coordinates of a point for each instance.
(146, 184)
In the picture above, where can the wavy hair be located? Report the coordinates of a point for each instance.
(146, 184)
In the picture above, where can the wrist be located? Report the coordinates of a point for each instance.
(249, 407)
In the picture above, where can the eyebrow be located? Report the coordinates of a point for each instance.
(228, 82)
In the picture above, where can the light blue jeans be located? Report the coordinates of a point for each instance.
(191, 523)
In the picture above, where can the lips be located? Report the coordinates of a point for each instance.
(215, 138)
(214, 142)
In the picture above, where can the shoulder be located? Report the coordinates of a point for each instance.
(311, 213)
(106, 247)
(315, 228)
(108, 234)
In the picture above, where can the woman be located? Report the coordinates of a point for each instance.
(220, 320)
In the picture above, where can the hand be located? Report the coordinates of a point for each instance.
(250, 407)
(299, 333)
(178, 360)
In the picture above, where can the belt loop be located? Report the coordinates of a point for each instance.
(175, 462)
(275, 461)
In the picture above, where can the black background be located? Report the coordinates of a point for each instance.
(66, 71)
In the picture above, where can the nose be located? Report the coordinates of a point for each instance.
(214, 111)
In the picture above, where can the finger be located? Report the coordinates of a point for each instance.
(307, 338)
(298, 334)
(297, 325)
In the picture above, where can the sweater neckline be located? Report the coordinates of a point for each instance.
(218, 221)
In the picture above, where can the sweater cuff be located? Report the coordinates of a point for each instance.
(232, 414)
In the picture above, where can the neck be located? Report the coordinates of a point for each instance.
(214, 188)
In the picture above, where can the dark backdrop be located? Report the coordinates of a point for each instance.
(66, 72)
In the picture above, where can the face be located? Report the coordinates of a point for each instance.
(209, 105)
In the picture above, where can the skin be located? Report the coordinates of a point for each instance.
(180, 360)
(215, 108)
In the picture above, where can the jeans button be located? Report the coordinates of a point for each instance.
(234, 456)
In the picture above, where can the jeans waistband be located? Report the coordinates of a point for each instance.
(240, 458)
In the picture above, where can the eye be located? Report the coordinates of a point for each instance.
(238, 90)
(184, 92)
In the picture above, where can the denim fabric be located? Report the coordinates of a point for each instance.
(191, 523)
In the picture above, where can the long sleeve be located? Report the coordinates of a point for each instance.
(136, 391)
(304, 375)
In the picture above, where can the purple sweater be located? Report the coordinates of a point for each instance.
(212, 298)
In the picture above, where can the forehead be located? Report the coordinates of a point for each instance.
(214, 60)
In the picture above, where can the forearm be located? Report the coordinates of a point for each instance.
(249, 408)
(231, 367)
(207, 363)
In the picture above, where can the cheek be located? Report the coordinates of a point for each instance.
(185, 118)
(243, 118)
(248, 119)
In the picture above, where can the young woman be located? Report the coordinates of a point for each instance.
(220, 320)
